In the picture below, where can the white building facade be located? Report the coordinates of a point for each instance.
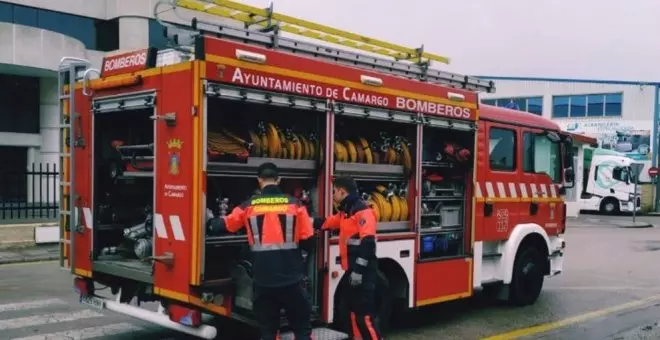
(34, 36)
(621, 115)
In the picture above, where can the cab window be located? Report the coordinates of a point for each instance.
(502, 149)
(541, 156)
(621, 174)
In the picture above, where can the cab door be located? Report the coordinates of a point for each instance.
(498, 178)
(541, 175)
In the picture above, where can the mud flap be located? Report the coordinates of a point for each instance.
(319, 334)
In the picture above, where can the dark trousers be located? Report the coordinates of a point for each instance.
(362, 304)
(268, 301)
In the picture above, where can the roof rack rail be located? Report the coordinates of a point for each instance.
(407, 62)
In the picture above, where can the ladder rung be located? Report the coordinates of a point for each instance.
(63, 154)
(65, 241)
(65, 184)
(65, 212)
(66, 96)
(65, 126)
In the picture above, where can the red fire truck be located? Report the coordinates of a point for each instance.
(468, 196)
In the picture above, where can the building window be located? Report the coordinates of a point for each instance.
(157, 37)
(593, 105)
(19, 104)
(107, 35)
(84, 29)
(529, 104)
(502, 145)
(541, 156)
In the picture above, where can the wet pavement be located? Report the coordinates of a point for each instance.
(610, 289)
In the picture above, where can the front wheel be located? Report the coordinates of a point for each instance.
(609, 206)
(342, 317)
(527, 280)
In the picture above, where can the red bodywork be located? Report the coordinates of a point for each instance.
(180, 192)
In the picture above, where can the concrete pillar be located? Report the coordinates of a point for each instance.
(49, 150)
(133, 33)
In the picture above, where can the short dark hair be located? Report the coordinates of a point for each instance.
(346, 183)
(268, 171)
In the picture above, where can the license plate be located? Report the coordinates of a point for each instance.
(92, 301)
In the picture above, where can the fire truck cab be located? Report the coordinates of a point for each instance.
(468, 196)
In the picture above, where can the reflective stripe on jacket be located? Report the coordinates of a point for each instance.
(276, 224)
(357, 236)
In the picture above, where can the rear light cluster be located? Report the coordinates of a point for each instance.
(184, 316)
(83, 287)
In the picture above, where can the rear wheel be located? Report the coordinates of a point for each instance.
(342, 316)
(527, 279)
(609, 206)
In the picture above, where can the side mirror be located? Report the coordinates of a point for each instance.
(569, 178)
(553, 136)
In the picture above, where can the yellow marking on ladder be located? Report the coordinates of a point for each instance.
(258, 16)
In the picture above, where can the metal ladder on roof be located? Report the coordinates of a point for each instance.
(70, 71)
(407, 62)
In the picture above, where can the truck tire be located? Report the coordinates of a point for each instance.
(342, 315)
(609, 206)
(527, 279)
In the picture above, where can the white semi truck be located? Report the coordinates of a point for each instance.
(608, 184)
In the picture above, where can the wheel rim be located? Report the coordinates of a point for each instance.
(609, 207)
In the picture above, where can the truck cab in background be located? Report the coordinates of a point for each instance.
(609, 183)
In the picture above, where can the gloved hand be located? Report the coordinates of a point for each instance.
(216, 226)
(317, 222)
(355, 279)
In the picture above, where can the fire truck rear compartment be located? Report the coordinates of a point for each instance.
(241, 136)
(123, 193)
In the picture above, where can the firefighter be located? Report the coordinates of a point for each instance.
(278, 227)
(357, 243)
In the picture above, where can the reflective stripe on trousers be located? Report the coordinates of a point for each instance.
(274, 246)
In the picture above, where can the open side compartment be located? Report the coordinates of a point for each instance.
(446, 177)
(379, 155)
(123, 193)
(242, 135)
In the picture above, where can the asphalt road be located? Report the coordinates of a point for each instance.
(610, 289)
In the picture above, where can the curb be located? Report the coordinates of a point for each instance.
(29, 259)
(634, 226)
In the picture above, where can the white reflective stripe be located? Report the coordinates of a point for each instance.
(357, 275)
(177, 229)
(532, 186)
(362, 262)
(523, 190)
(44, 319)
(489, 189)
(501, 190)
(478, 190)
(159, 223)
(88, 333)
(271, 247)
(89, 221)
(254, 226)
(544, 190)
(30, 305)
(553, 190)
(512, 190)
(353, 242)
(289, 229)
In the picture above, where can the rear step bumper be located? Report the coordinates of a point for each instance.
(158, 318)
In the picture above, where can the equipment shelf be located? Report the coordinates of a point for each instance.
(392, 226)
(289, 168)
(375, 172)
